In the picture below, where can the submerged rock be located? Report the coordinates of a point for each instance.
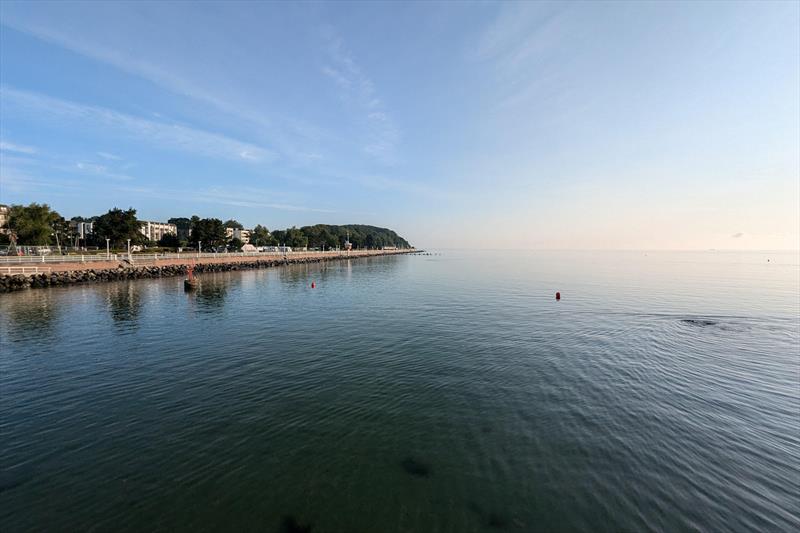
(497, 521)
(491, 519)
(699, 322)
(14, 477)
(289, 524)
(415, 468)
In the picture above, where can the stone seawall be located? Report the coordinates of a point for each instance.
(81, 274)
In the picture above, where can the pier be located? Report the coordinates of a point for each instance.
(66, 270)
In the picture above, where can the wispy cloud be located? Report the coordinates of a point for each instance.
(22, 181)
(23, 173)
(220, 196)
(389, 184)
(101, 170)
(161, 134)
(120, 59)
(518, 30)
(18, 148)
(520, 44)
(357, 89)
(27, 180)
(106, 155)
(287, 134)
(379, 182)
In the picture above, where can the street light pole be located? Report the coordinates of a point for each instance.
(108, 249)
(199, 248)
(129, 249)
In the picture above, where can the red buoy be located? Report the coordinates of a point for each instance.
(558, 296)
(313, 285)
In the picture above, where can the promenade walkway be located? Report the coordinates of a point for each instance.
(58, 263)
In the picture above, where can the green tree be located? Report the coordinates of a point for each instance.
(208, 231)
(260, 236)
(169, 240)
(62, 231)
(360, 236)
(233, 224)
(119, 226)
(235, 244)
(193, 222)
(181, 222)
(320, 236)
(296, 238)
(183, 225)
(330, 236)
(280, 236)
(33, 224)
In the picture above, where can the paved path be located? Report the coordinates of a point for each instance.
(189, 259)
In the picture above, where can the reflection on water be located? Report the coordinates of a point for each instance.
(210, 295)
(306, 273)
(124, 301)
(31, 312)
(298, 273)
(437, 393)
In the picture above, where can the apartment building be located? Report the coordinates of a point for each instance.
(3, 218)
(235, 233)
(155, 230)
(81, 229)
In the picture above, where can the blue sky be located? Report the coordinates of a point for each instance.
(519, 125)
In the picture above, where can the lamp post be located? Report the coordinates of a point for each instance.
(108, 248)
(129, 249)
(58, 244)
(199, 248)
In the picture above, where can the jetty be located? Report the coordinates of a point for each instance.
(51, 271)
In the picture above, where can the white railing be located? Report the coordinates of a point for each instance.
(223, 255)
(31, 259)
(140, 258)
(10, 270)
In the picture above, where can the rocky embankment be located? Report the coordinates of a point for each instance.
(14, 282)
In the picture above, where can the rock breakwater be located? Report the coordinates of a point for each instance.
(15, 282)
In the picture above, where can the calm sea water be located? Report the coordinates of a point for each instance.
(443, 393)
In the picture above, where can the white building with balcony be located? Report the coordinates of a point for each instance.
(236, 233)
(82, 229)
(3, 218)
(154, 231)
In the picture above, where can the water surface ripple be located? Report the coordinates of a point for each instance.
(443, 393)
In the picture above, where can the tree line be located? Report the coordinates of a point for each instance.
(360, 236)
(38, 224)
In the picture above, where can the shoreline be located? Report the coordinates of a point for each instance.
(61, 274)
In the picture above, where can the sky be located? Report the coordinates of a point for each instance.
(628, 125)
